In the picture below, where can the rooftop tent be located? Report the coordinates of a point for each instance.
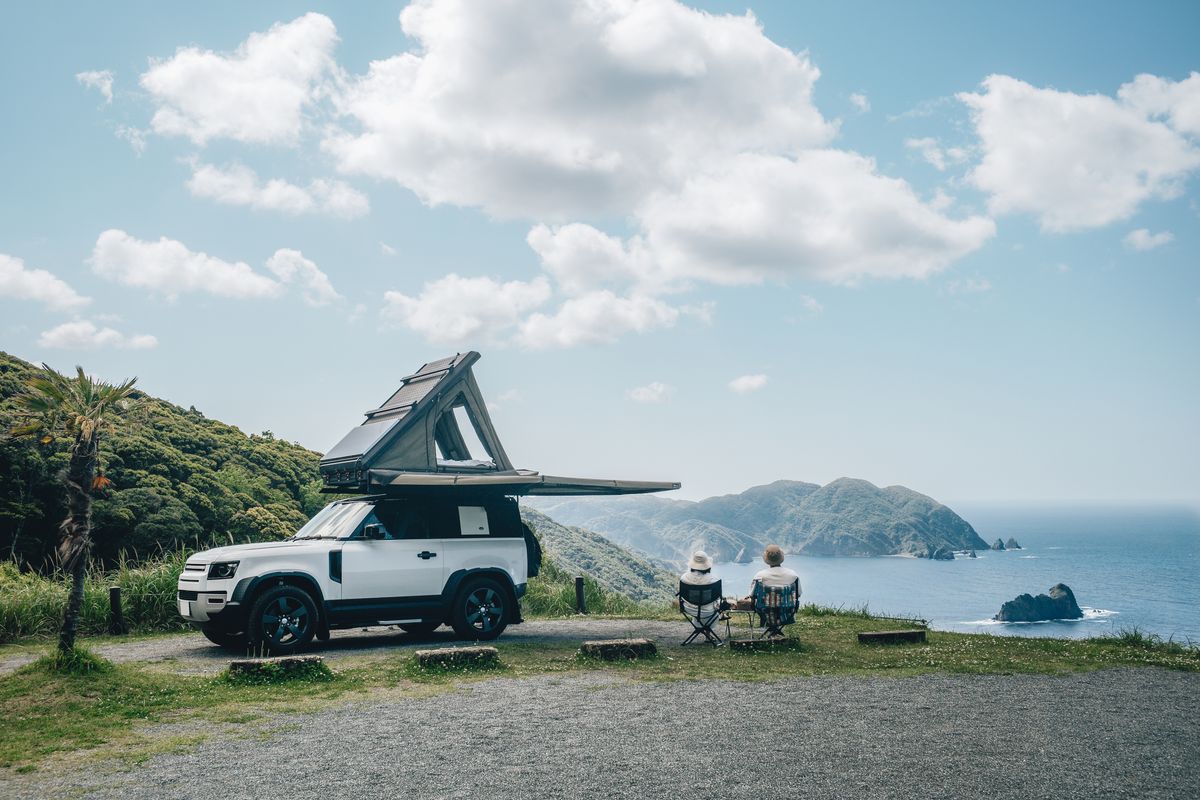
(414, 443)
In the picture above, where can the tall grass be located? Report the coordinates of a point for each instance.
(552, 594)
(32, 605)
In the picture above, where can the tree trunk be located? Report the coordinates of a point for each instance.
(75, 545)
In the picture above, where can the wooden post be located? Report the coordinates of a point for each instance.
(580, 601)
(116, 618)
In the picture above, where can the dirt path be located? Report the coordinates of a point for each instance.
(1107, 734)
(192, 654)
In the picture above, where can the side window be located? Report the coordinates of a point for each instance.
(473, 520)
(375, 519)
(504, 519)
(403, 520)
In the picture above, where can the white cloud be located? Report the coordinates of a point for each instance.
(747, 383)
(1178, 101)
(810, 304)
(933, 153)
(101, 80)
(291, 266)
(597, 317)
(387, 249)
(860, 101)
(258, 93)
(1143, 239)
(1081, 161)
(457, 310)
(582, 258)
(826, 215)
(19, 282)
(240, 185)
(84, 335)
(548, 109)
(135, 137)
(650, 393)
(169, 268)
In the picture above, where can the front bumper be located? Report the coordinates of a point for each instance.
(202, 601)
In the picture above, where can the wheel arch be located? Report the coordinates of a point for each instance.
(253, 587)
(460, 578)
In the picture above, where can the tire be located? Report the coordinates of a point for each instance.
(481, 610)
(235, 642)
(420, 628)
(282, 620)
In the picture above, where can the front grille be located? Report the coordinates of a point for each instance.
(193, 568)
(185, 594)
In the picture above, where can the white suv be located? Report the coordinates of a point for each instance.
(416, 562)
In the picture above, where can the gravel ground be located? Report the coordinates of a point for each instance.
(1108, 734)
(191, 653)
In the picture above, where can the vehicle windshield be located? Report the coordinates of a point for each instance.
(334, 521)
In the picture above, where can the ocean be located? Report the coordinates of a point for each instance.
(1128, 567)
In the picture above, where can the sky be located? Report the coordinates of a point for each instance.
(950, 246)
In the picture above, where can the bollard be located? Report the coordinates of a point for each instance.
(116, 619)
(580, 602)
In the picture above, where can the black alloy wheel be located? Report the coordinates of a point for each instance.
(283, 620)
(481, 611)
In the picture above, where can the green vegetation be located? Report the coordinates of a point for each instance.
(47, 711)
(178, 480)
(582, 552)
(274, 674)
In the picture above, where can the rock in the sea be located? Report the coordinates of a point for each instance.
(1011, 544)
(998, 544)
(942, 554)
(972, 555)
(1059, 603)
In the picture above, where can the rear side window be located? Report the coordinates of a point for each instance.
(473, 520)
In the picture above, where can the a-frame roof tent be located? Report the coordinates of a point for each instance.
(413, 443)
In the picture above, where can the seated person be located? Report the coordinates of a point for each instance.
(775, 574)
(699, 573)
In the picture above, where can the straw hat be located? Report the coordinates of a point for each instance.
(773, 555)
(700, 560)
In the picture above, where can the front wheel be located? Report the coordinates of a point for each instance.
(481, 611)
(282, 620)
(230, 641)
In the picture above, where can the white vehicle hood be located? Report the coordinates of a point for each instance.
(235, 551)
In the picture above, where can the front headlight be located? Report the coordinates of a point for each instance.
(222, 570)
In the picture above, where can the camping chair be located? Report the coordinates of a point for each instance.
(776, 606)
(702, 619)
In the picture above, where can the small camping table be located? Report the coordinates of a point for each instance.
(739, 606)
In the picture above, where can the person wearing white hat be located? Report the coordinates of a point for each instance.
(699, 573)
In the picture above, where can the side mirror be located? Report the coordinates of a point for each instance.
(372, 531)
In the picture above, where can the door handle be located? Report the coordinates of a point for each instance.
(425, 554)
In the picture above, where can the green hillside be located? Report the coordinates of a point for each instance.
(582, 552)
(846, 517)
(178, 478)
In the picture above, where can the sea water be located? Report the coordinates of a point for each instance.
(1128, 567)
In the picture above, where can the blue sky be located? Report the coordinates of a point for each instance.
(943, 245)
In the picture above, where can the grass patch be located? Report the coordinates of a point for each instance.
(76, 661)
(270, 673)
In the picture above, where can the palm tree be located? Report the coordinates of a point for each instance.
(76, 409)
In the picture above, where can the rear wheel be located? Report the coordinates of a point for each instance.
(282, 620)
(481, 610)
(420, 628)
